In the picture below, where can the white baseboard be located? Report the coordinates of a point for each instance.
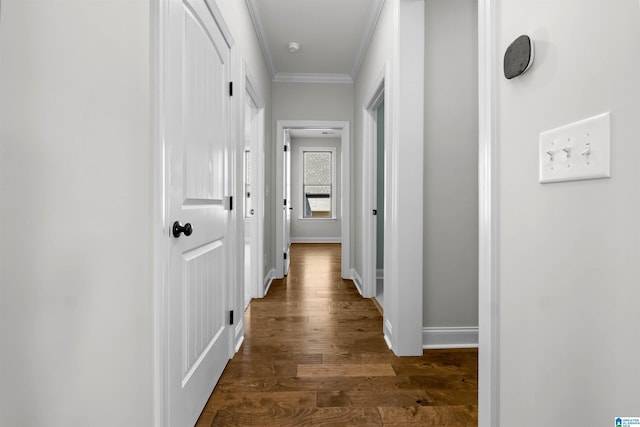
(357, 280)
(388, 333)
(451, 337)
(316, 240)
(268, 280)
(239, 335)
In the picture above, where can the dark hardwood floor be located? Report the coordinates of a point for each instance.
(314, 355)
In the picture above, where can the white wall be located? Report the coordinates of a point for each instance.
(75, 184)
(451, 164)
(569, 271)
(317, 229)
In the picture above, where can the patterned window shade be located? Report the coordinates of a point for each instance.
(317, 168)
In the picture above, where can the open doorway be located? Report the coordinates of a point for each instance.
(341, 194)
(253, 192)
(373, 167)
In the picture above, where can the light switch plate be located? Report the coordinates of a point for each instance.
(577, 151)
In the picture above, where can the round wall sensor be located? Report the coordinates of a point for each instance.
(518, 57)
(294, 47)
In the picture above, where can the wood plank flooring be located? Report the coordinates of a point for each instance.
(314, 355)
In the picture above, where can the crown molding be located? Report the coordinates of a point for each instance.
(372, 23)
(254, 11)
(312, 78)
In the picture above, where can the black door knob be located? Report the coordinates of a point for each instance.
(177, 229)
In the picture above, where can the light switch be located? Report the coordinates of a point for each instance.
(577, 151)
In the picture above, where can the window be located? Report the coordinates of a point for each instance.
(318, 182)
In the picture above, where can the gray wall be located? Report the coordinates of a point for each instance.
(314, 229)
(309, 101)
(569, 252)
(450, 164)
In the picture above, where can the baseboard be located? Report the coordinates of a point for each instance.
(239, 335)
(268, 280)
(451, 337)
(388, 333)
(316, 240)
(357, 280)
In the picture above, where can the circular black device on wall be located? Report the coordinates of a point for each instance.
(518, 57)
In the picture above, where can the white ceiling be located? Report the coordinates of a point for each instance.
(333, 34)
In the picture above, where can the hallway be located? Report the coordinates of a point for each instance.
(314, 355)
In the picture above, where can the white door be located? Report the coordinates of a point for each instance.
(287, 205)
(197, 143)
(249, 221)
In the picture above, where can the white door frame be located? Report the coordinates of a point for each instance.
(488, 283)
(250, 89)
(369, 182)
(345, 183)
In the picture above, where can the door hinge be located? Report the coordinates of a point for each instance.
(285, 148)
(231, 317)
(230, 88)
(285, 202)
(375, 211)
(228, 203)
(285, 255)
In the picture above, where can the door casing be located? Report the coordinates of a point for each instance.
(345, 127)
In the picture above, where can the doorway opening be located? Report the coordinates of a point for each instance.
(373, 225)
(340, 207)
(253, 192)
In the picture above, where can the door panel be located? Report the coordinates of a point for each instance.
(196, 137)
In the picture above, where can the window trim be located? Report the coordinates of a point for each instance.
(300, 186)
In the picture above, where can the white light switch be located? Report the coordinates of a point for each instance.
(576, 151)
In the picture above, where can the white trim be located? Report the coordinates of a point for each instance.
(357, 280)
(369, 176)
(159, 16)
(312, 78)
(450, 337)
(372, 21)
(404, 181)
(488, 292)
(316, 239)
(268, 280)
(256, 18)
(345, 182)
(387, 330)
(239, 334)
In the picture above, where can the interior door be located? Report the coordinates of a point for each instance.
(249, 220)
(196, 138)
(287, 205)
